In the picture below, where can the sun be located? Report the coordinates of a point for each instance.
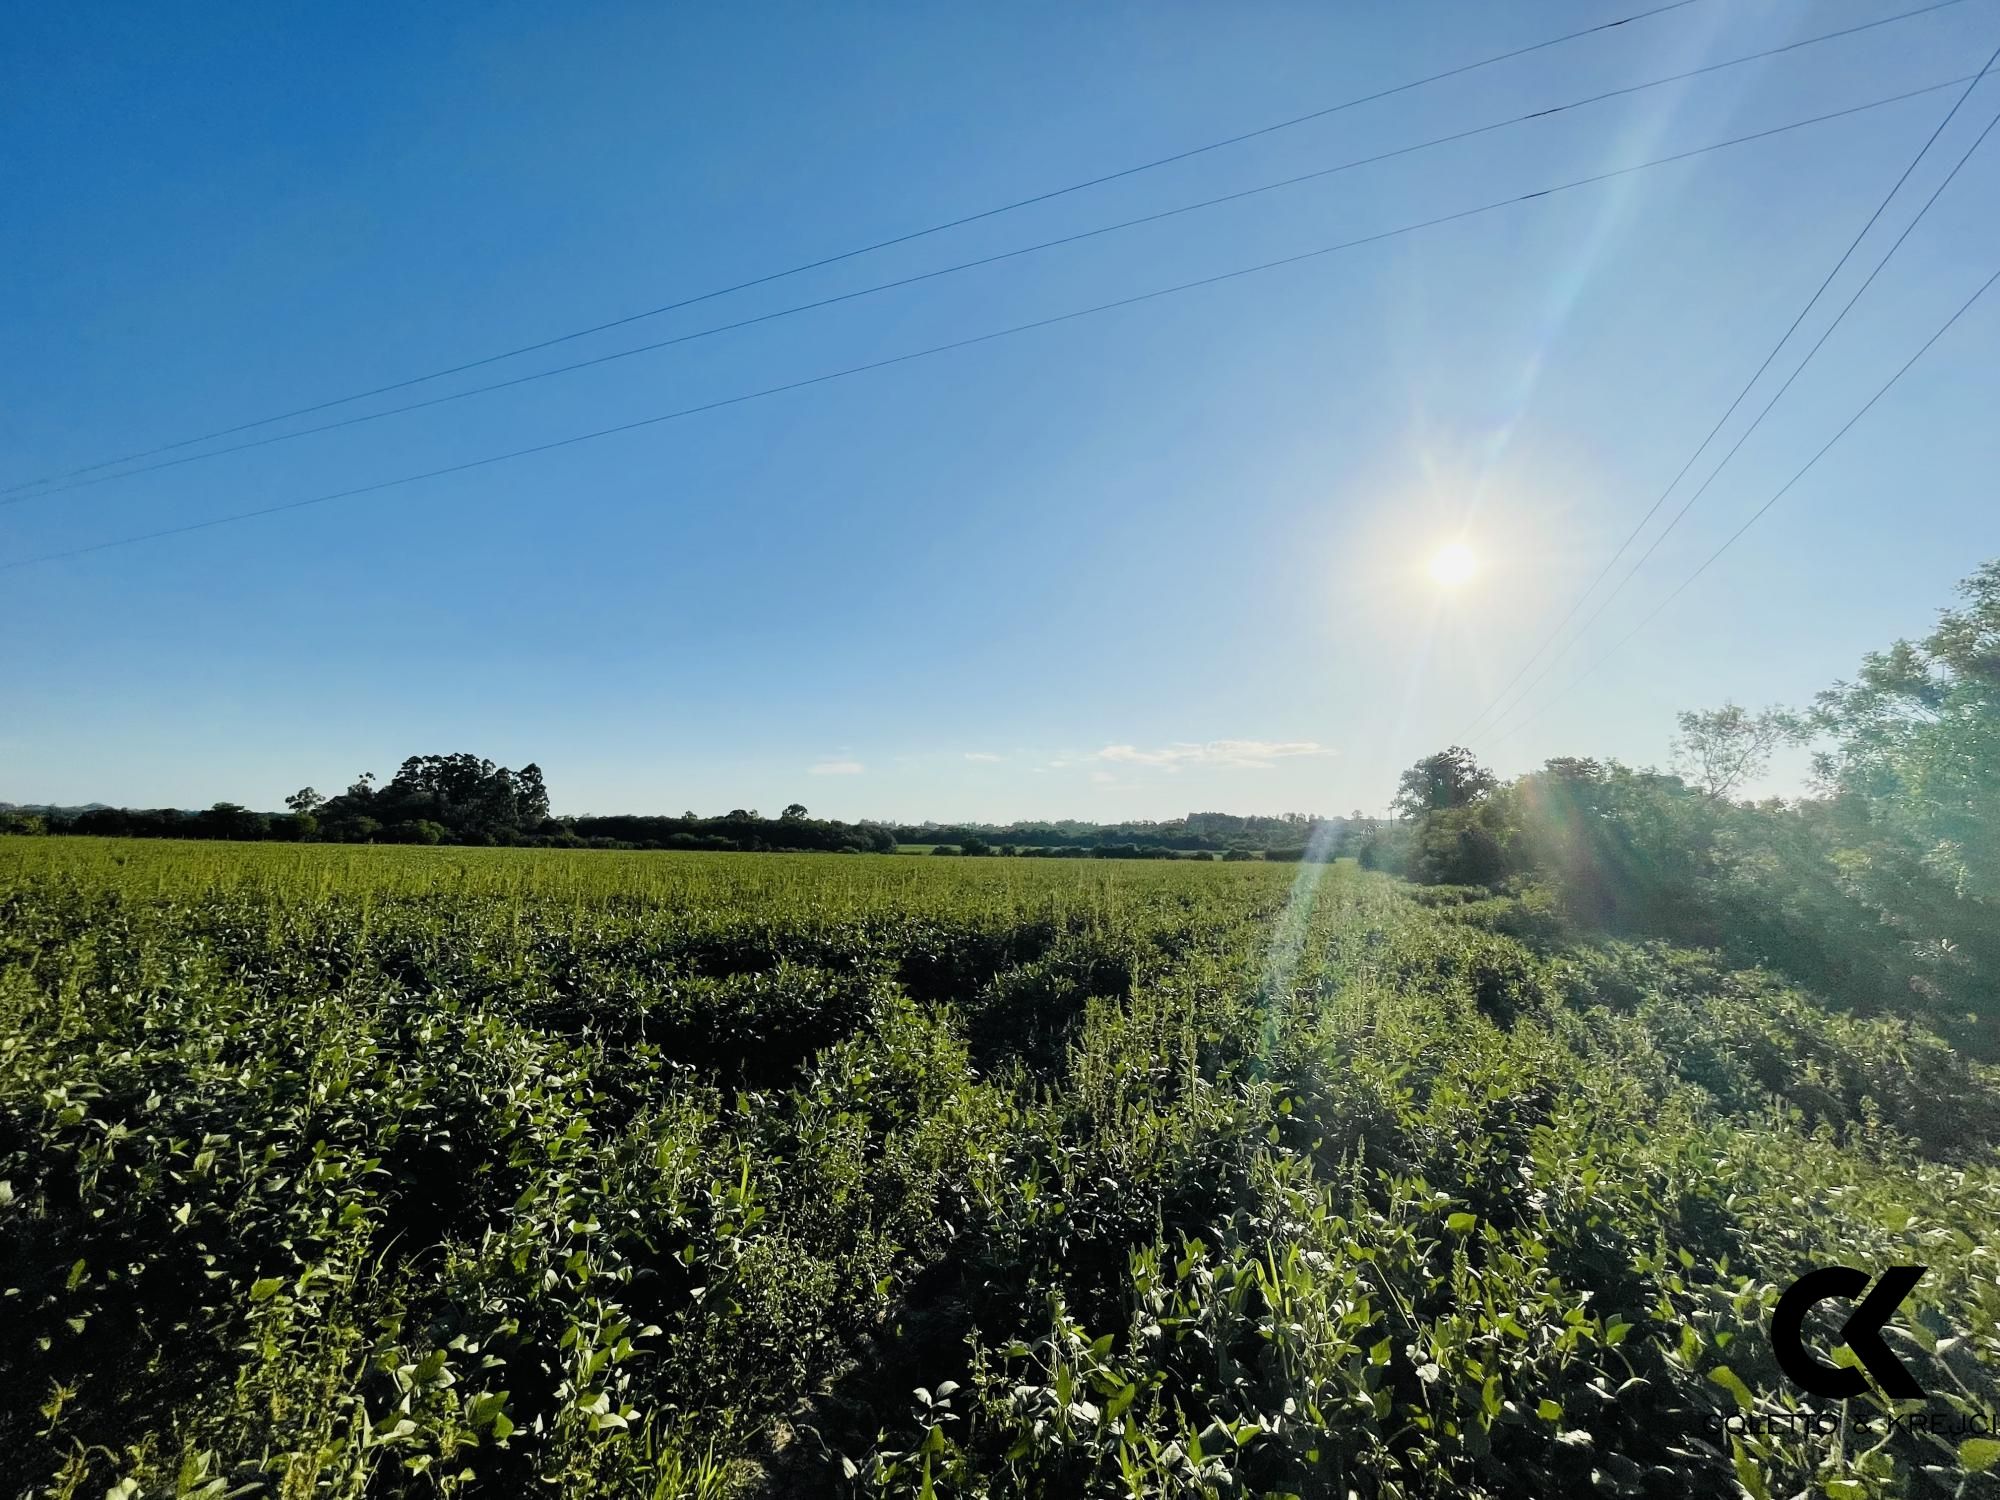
(1453, 566)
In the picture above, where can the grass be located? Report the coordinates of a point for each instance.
(372, 1171)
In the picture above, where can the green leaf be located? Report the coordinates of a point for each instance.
(1548, 1411)
(266, 1289)
(1731, 1382)
(1977, 1455)
(1747, 1473)
(1461, 1223)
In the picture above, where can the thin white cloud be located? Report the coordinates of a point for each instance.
(1104, 778)
(982, 755)
(1242, 755)
(836, 768)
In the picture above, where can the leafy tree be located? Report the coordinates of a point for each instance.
(415, 831)
(1459, 846)
(1451, 778)
(1626, 850)
(1911, 825)
(228, 820)
(470, 798)
(1718, 751)
(1918, 739)
(531, 795)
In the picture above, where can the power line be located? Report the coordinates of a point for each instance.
(1730, 410)
(1798, 370)
(1789, 380)
(976, 339)
(869, 249)
(1759, 513)
(9, 498)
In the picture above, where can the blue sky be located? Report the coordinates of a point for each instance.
(1165, 558)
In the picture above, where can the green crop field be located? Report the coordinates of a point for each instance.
(357, 1171)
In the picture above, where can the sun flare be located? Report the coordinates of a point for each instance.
(1453, 566)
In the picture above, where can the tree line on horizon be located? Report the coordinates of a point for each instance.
(455, 799)
(1275, 836)
(468, 799)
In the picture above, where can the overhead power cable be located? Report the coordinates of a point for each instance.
(869, 249)
(1730, 410)
(1775, 399)
(1758, 514)
(1548, 112)
(977, 339)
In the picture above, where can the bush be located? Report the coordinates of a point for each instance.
(326, 1170)
(415, 831)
